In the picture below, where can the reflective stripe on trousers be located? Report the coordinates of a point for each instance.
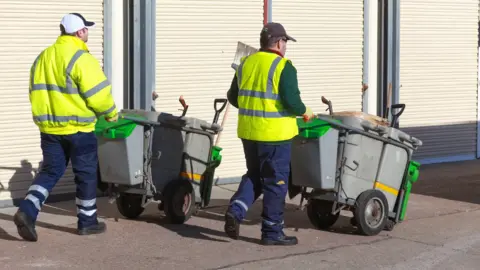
(242, 204)
(37, 195)
(81, 150)
(86, 207)
(267, 173)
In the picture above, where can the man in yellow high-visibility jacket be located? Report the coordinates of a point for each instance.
(68, 90)
(265, 91)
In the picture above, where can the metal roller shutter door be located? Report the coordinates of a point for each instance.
(328, 53)
(195, 45)
(26, 28)
(438, 75)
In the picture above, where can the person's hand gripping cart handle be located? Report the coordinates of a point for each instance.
(112, 119)
(308, 115)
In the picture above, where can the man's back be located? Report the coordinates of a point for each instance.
(68, 88)
(53, 59)
(262, 114)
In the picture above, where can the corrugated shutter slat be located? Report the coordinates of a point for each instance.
(328, 53)
(26, 28)
(438, 76)
(196, 43)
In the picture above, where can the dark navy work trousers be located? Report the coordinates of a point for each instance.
(268, 169)
(58, 150)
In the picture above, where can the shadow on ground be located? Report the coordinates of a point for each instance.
(459, 181)
(294, 219)
(5, 236)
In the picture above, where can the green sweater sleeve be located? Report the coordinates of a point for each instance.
(289, 92)
(232, 94)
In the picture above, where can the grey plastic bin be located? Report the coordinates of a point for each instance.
(314, 159)
(121, 160)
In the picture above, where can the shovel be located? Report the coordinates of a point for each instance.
(242, 50)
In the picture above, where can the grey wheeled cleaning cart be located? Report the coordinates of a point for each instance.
(150, 156)
(353, 161)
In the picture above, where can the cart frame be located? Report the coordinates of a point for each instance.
(137, 197)
(333, 196)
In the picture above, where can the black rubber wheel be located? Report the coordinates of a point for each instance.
(371, 212)
(320, 214)
(179, 201)
(130, 205)
(389, 225)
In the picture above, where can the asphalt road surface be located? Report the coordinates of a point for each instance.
(441, 232)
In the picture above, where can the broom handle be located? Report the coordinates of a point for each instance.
(389, 95)
(223, 123)
(234, 66)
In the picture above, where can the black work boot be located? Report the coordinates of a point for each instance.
(232, 226)
(25, 226)
(282, 240)
(101, 227)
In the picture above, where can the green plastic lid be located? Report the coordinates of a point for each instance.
(115, 130)
(312, 129)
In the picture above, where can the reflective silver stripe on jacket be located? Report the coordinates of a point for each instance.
(268, 94)
(263, 114)
(56, 118)
(109, 110)
(70, 88)
(269, 91)
(97, 88)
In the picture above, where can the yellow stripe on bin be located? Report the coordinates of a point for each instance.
(192, 176)
(386, 188)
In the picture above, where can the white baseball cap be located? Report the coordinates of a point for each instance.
(73, 22)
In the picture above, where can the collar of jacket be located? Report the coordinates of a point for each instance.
(272, 51)
(74, 41)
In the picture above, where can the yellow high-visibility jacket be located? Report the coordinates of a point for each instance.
(261, 114)
(68, 89)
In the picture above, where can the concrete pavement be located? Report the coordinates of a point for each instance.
(441, 232)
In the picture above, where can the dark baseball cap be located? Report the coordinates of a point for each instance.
(271, 30)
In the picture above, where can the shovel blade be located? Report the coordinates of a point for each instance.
(242, 50)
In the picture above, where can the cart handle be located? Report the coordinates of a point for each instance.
(405, 137)
(328, 103)
(142, 122)
(401, 135)
(218, 110)
(212, 127)
(396, 115)
(220, 100)
(373, 127)
(343, 126)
